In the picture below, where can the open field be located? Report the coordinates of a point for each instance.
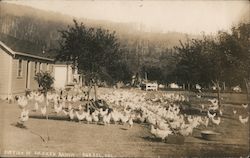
(71, 138)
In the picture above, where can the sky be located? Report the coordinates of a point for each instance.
(186, 16)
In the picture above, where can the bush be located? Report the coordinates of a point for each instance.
(45, 81)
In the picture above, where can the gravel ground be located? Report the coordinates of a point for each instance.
(92, 140)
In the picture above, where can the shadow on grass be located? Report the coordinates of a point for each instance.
(22, 126)
(19, 125)
(123, 128)
(152, 139)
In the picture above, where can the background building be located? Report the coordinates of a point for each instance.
(18, 70)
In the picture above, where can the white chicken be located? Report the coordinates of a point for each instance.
(80, 107)
(190, 119)
(214, 101)
(106, 119)
(220, 112)
(95, 117)
(210, 115)
(245, 105)
(69, 98)
(24, 116)
(130, 122)
(63, 104)
(160, 133)
(88, 117)
(142, 118)
(115, 116)
(58, 108)
(69, 106)
(124, 118)
(243, 120)
(39, 98)
(205, 121)
(198, 96)
(35, 107)
(186, 129)
(234, 112)
(71, 114)
(65, 112)
(150, 119)
(22, 102)
(80, 117)
(213, 107)
(175, 124)
(75, 99)
(198, 87)
(217, 122)
(43, 110)
(103, 113)
(162, 125)
(30, 96)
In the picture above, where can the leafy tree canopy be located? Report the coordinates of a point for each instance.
(94, 51)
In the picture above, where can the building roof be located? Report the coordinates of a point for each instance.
(27, 47)
(14, 53)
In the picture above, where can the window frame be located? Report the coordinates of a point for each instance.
(52, 68)
(39, 67)
(47, 67)
(20, 68)
(35, 67)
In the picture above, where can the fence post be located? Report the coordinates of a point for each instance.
(224, 86)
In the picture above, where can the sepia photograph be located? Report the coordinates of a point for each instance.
(124, 78)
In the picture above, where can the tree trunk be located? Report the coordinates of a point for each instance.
(248, 89)
(189, 86)
(95, 91)
(217, 85)
(47, 115)
(224, 86)
(218, 96)
(218, 93)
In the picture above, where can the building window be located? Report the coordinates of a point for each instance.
(47, 67)
(19, 69)
(51, 68)
(35, 67)
(39, 67)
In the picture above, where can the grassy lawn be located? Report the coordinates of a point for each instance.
(70, 138)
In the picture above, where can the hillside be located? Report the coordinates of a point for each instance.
(30, 30)
(29, 23)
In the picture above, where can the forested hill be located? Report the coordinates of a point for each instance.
(41, 27)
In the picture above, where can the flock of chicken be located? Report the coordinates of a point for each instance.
(161, 112)
(66, 105)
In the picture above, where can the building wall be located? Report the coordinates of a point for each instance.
(63, 75)
(70, 75)
(33, 83)
(19, 83)
(60, 72)
(5, 65)
(11, 84)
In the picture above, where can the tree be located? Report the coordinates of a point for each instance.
(45, 82)
(194, 64)
(235, 47)
(95, 52)
(224, 58)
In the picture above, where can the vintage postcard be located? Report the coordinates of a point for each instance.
(124, 78)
